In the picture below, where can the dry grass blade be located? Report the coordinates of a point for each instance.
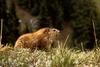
(66, 40)
(96, 45)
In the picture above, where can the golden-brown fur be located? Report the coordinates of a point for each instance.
(43, 38)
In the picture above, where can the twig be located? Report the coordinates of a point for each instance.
(82, 46)
(1, 31)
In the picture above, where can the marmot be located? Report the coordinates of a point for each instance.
(43, 38)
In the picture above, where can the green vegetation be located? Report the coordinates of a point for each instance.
(57, 57)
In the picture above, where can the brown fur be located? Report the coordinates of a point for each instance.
(43, 38)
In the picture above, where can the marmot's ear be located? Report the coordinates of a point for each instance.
(46, 30)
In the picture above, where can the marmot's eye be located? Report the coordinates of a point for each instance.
(54, 30)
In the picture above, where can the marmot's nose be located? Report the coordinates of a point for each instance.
(58, 31)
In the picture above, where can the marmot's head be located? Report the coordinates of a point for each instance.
(53, 33)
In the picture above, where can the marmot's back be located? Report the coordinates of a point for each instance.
(20, 43)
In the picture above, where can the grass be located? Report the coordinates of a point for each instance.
(57, 57)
